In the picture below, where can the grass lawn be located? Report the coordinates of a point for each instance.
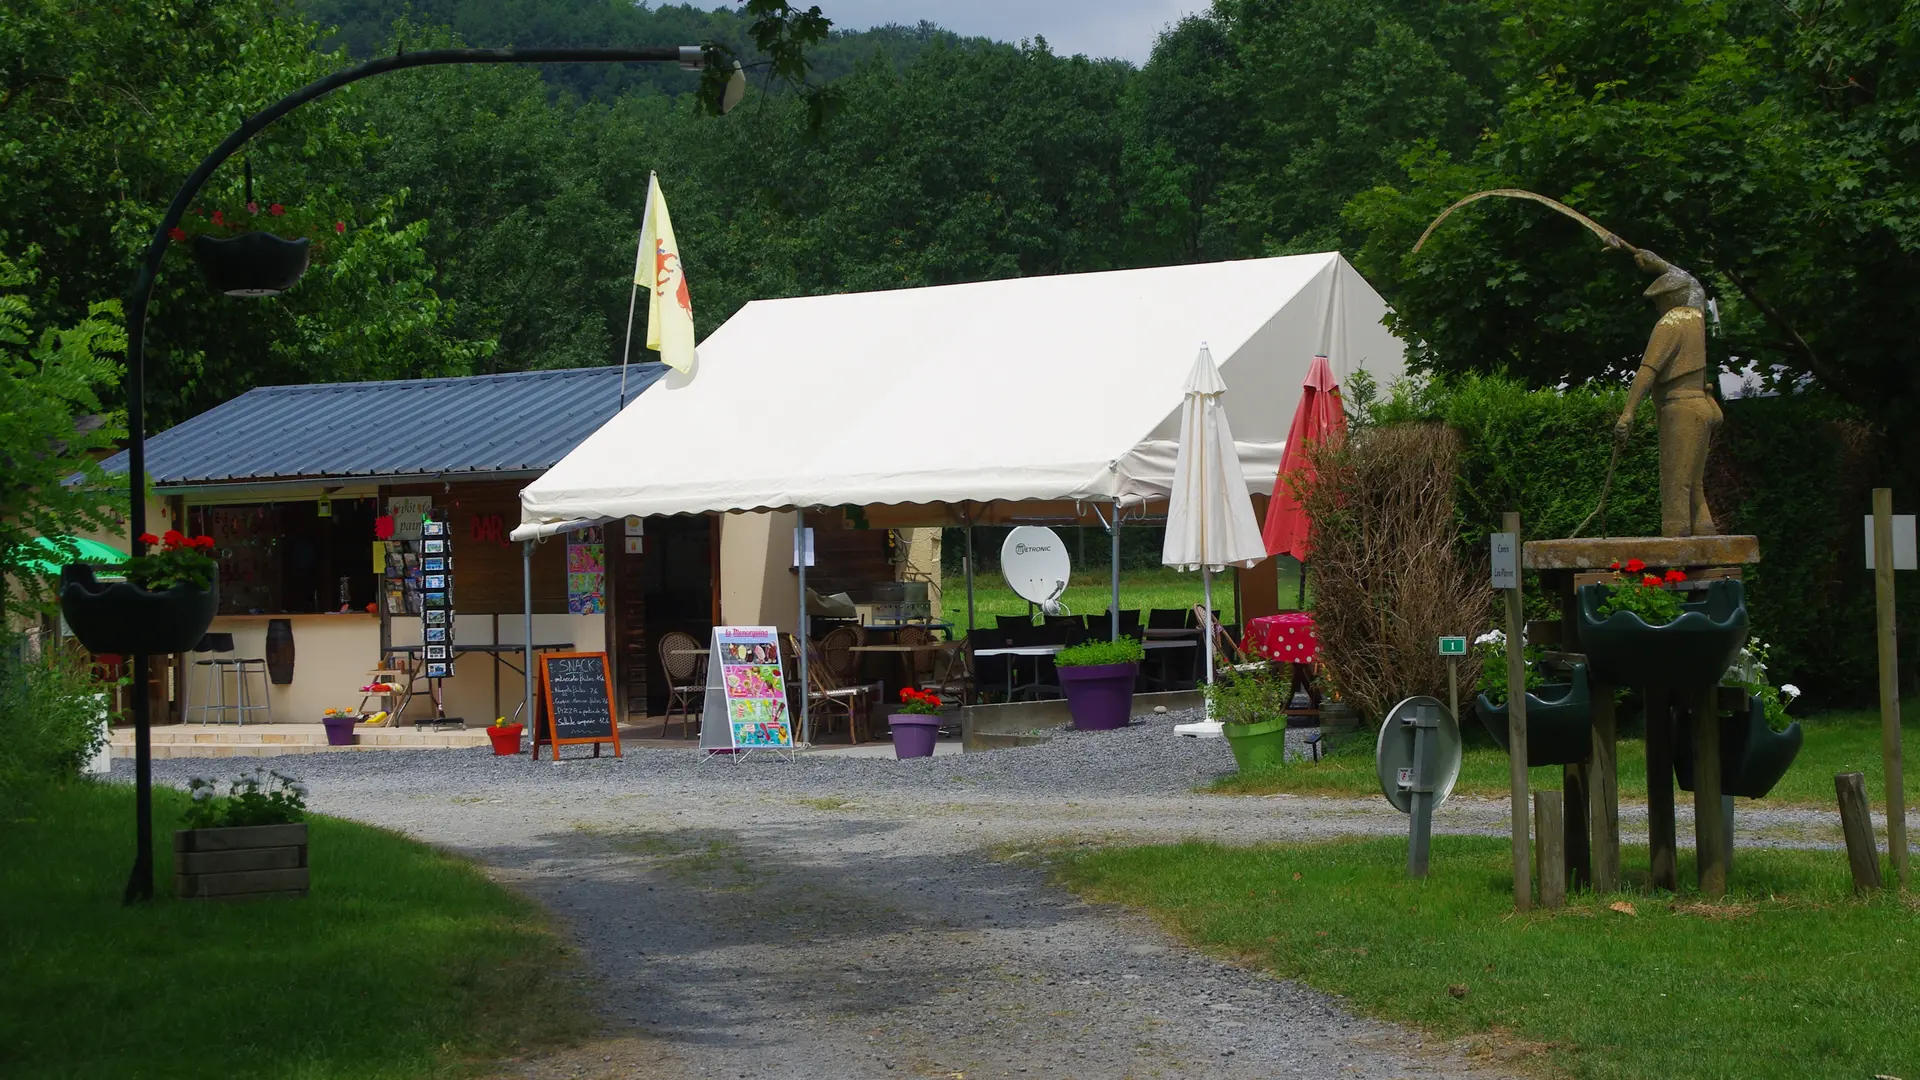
(403, 962)
(1835, 742)
(1789, 979)
(1091, 593)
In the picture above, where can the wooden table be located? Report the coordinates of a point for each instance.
(908, 655)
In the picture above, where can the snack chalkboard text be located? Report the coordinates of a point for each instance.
(577, 691)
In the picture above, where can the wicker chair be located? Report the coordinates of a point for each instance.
(686, 679)
(828, 700)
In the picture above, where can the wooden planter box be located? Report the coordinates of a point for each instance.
(240, 863)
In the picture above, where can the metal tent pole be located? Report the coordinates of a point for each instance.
(526, 602)
(806, 688)
(1114, 609)
(970, 615)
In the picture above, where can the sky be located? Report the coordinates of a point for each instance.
(1099, 28)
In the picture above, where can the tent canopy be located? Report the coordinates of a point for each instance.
(1037, 391)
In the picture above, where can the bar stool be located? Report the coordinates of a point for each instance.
(214, 682)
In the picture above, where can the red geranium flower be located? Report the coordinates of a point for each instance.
(253, 208)
(1650, 580)
(149, 538)
(173, 538)
(1675, 577)
(219, 217)
(276, 210)
(339, 226)
(1614, 566)
(176, 234)
(1634, 566)
(203, 541)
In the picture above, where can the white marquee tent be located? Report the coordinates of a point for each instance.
(1026, 398)
(993, 395)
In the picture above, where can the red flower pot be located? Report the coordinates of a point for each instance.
(506, 738)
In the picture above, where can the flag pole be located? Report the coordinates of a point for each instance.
(639, 254)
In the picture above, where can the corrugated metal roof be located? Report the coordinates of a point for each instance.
(519, 422)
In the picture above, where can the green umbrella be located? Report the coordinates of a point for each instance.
(90, 551)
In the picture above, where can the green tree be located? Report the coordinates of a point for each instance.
(53, 428)
(1771, 148)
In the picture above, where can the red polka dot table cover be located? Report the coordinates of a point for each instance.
(1287, 638)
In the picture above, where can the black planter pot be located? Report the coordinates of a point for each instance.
(1693, 650)
(1753, 756)
(251, 264)
(123, 618)
(1559, 721)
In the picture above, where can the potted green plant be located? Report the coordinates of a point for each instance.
(1641, 633)
(339, 724)
(1559, 715)
(1252, 710)
(1097, 679)
(916, 724)
(505, 736)
(1758, 744)
(250, 842)
(165, 604)
(253, 250)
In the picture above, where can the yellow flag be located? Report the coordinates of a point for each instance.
(657, 267)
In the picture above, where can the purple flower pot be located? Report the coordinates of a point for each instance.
(1100, 696)
(339, 730)
(913, 734)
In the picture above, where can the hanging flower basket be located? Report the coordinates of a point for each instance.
(251, 264)
(1753, 756)
(121, 617)
(1559, 721)
(1693, 650)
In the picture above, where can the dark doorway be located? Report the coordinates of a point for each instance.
(672, 582)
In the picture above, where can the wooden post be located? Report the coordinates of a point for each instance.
(1603, 792)
(1579, 850)
(1889, 682)
(1662, 843)
(1548, 831)
(1453, 687)
(1856, 821)
(1709, 820)
(1517, 726)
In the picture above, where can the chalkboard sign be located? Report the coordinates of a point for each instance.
(578, 693)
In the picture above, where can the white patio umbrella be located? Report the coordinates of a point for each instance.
(1210, 522)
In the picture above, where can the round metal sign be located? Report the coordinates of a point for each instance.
(1034, 560)
(1393, 754)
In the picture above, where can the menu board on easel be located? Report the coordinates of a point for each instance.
(576, 695)
(746, 686)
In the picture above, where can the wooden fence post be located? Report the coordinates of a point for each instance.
(1889, 682)
(1547, 831)
(1856, 821)
(1709, 817)
(1663, 845)
(1603, 792)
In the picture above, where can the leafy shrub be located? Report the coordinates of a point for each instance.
(50, 710)
(1252, 697)
(1093, 653)
(1491, 649)
(1388, 577)
(256, 798)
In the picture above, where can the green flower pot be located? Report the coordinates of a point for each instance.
(122, 618)
(1559, 721)
(1258, 747)
(1692, 651)
(1753, 756)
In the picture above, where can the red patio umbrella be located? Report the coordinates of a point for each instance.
(1321, 415)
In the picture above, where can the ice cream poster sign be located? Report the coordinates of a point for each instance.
(747, 685)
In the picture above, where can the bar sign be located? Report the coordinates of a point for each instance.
(1506, 561)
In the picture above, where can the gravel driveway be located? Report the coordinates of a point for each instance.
(855, 918)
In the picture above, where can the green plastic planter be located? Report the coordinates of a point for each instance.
(1753, 756)
(1559, 721)
(1258, 747)
(1693, 650)
(122, 618)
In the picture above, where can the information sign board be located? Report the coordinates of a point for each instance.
(746, 705)
(1506, 561)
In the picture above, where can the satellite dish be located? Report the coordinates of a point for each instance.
(1035, 563)
(1393, 755)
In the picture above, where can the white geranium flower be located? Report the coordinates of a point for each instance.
(1491, 637)
(1791, 691)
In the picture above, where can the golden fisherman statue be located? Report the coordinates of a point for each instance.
(1674, 370)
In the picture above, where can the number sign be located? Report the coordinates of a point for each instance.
(578, 693)
(1453, 646)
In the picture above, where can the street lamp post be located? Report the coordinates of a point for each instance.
(692, 57)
